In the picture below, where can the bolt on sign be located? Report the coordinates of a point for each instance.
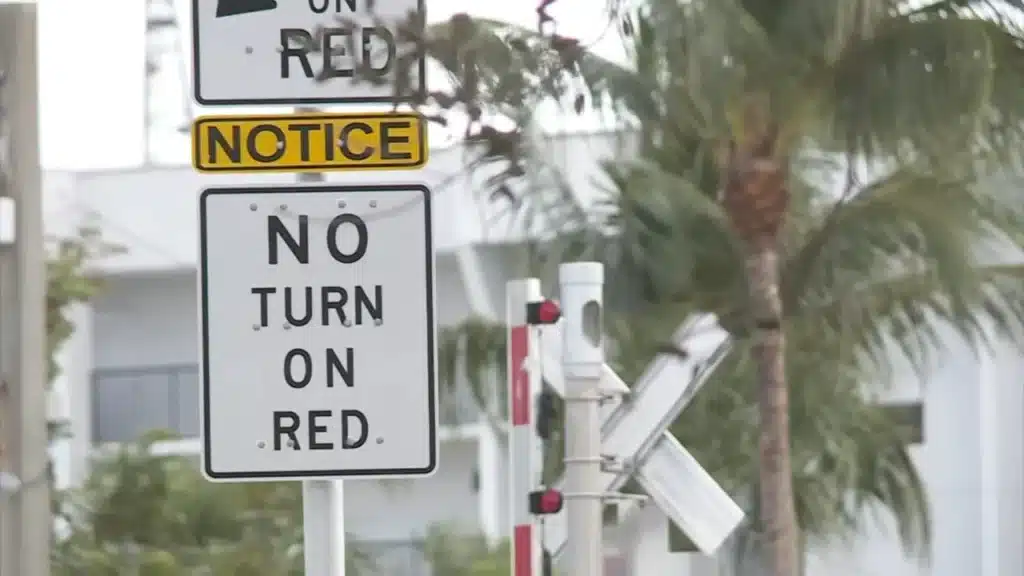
(309, 142)
(317, 308)
(302, 52)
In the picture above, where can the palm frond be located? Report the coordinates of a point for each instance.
(923, 84)
(670, 238)
(507, 69)
(865, 76)
(910, 311)
(901, 259)
(472, 356)
(903, 219)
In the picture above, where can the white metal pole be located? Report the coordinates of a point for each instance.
(27, 525)
(582, 303)
(323, 527)
(323, 501)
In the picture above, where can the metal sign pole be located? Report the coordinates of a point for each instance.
(582, 285)
(392, 141)
(323, 501)
(323, 527)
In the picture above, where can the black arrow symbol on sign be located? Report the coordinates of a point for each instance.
(236, 7)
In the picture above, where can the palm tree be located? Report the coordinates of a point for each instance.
(765, 85)
(739, 103)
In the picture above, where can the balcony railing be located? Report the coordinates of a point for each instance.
(128, 402)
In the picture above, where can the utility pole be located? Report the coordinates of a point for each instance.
(582, 287)
(323, 501)
(26, 522)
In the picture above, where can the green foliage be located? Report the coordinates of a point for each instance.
(450, 554)
(159, 515)
(474, 350)
(67, 283)
(151, 515)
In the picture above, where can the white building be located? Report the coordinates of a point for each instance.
(131, 366)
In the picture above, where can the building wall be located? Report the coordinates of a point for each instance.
(71, 390)
(1009, 383)
(146, 320)
(644, 538)
(404, 509)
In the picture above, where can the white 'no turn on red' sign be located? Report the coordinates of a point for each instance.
(317, 307)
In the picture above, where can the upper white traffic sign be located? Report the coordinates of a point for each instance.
(317, 307)
(299, 52)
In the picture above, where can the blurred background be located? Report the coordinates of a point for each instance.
(901, 276)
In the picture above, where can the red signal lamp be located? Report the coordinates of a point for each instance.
(546, 502)
(544, 312)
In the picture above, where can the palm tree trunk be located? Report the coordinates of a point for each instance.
(756, 198)
(778, 512)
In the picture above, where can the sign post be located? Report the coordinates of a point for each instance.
(317, 301)
(317, 309)
(323, 501)
(323, 527)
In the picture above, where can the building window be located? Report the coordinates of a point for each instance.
(129, 402)
(678, 541)
(910, 417)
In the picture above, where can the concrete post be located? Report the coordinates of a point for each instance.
(582, 287)
(27, 522)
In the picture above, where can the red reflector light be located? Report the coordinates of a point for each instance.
(546, 502)
(545, 312)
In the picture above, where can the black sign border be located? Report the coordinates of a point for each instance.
(207, 452)
(197, 89)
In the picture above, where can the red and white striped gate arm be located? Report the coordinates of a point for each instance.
(525, 448)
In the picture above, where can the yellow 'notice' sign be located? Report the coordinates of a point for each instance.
(309, 143)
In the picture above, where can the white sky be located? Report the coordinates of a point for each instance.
(92, 74)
